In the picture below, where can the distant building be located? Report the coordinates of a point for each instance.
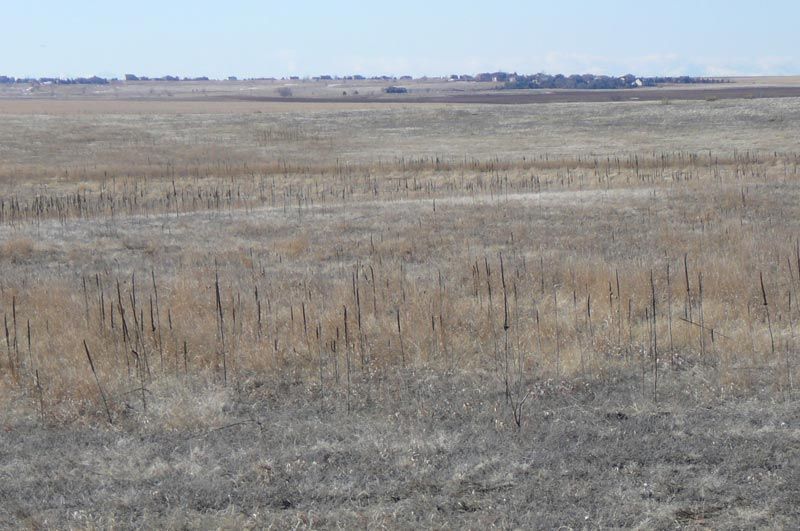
(494, 77)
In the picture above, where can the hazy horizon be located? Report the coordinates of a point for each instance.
(251, 39)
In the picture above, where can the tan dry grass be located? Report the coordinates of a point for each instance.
(356, 227)
(16, 249)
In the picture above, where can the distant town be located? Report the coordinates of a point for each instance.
(505, 80)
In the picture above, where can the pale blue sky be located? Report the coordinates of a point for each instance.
(250, 38)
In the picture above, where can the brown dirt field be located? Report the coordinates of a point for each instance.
(509, 97)
(231, 102)
(173, 107)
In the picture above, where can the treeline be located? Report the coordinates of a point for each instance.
(508, 80)
(686, 79)
(134, 77)
(94, 80)
(591, 81)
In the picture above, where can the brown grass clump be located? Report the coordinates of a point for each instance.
(16, 249)
(293, 246)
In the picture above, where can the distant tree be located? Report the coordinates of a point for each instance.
(395, 90)
(285, 92)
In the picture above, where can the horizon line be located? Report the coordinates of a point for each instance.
(360, 77)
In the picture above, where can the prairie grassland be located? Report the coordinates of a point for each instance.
(383, 315)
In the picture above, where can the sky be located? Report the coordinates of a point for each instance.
(247, 38)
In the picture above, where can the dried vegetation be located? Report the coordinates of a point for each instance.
(207, 294)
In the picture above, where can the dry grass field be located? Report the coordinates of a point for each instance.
(261, 314)
(365, 91)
